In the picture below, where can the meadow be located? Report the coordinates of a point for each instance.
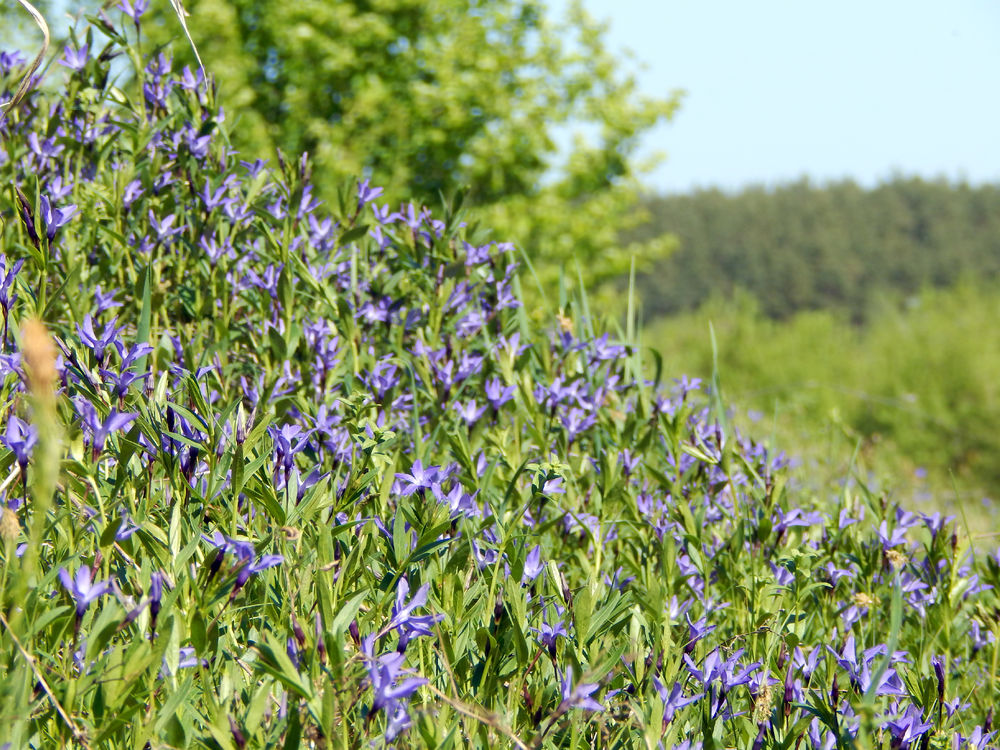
(908, 400)
(280, 472)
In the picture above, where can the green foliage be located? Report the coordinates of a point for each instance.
(915, 388)
(803, 247)
(283, 474)
(427, 97)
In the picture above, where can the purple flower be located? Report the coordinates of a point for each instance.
(98, 343)
(603, 351)
(859, 671)
(419, 478)
(242, 549)
(686, 385)
(845, 519)
(709, 670)
(20, 438)
(120, 382)
(908, 728)
(104, 300)
(10, 60)
(821, 737)
(980, 638)
(249, 568)
(307, 204)
(893, 539)
(366, 193)
(935, 522)
(578, 696)
(837, 574)
(795, 517)
(132, 192)
(533, 565)
(806, 664)
(125, 529)
(734, 674)
(188, 658)
(44, 149)
(8, 272)
(782, 575)
(548, 633)
(696, 631)
(155, 594)
(979, 739)
(728, 671)
(82, 589)
(75, 59)
(97, 431)
(497, 393)
(213, 199)
(190, 81)
(461, 503)
(674, 700)
(164, 230)
(293, 652)
(399, 719)
(629, 461)
(383, 673)
(53, 219)
(133, 11)
(411, 625)
(288, 440)
(469, 412)
(253, 168)
(553, 486)
(578, 421)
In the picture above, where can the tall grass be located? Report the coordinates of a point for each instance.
(915, 391)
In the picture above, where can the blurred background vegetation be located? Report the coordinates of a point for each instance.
(850, 324)
(853, 325)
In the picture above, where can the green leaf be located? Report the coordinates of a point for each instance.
(347, 612)
(276, 662)
(145, 318)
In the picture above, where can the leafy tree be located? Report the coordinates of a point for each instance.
(427, 97)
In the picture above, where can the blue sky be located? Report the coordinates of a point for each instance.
(779, 89)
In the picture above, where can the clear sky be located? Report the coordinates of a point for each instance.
(779, 89)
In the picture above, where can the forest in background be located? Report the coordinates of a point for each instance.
(856, 325)
(804, 246)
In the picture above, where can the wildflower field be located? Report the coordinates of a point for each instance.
(282, 473)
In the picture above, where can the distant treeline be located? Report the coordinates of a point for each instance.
(803, 246)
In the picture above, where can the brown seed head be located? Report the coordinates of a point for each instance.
(762, 705)
(896, 558)
(9, 526)
(39, 354)
(862, 599)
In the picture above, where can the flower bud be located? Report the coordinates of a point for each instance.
(238, 738)
(320, 643)
(939, 673)
(297, 632)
